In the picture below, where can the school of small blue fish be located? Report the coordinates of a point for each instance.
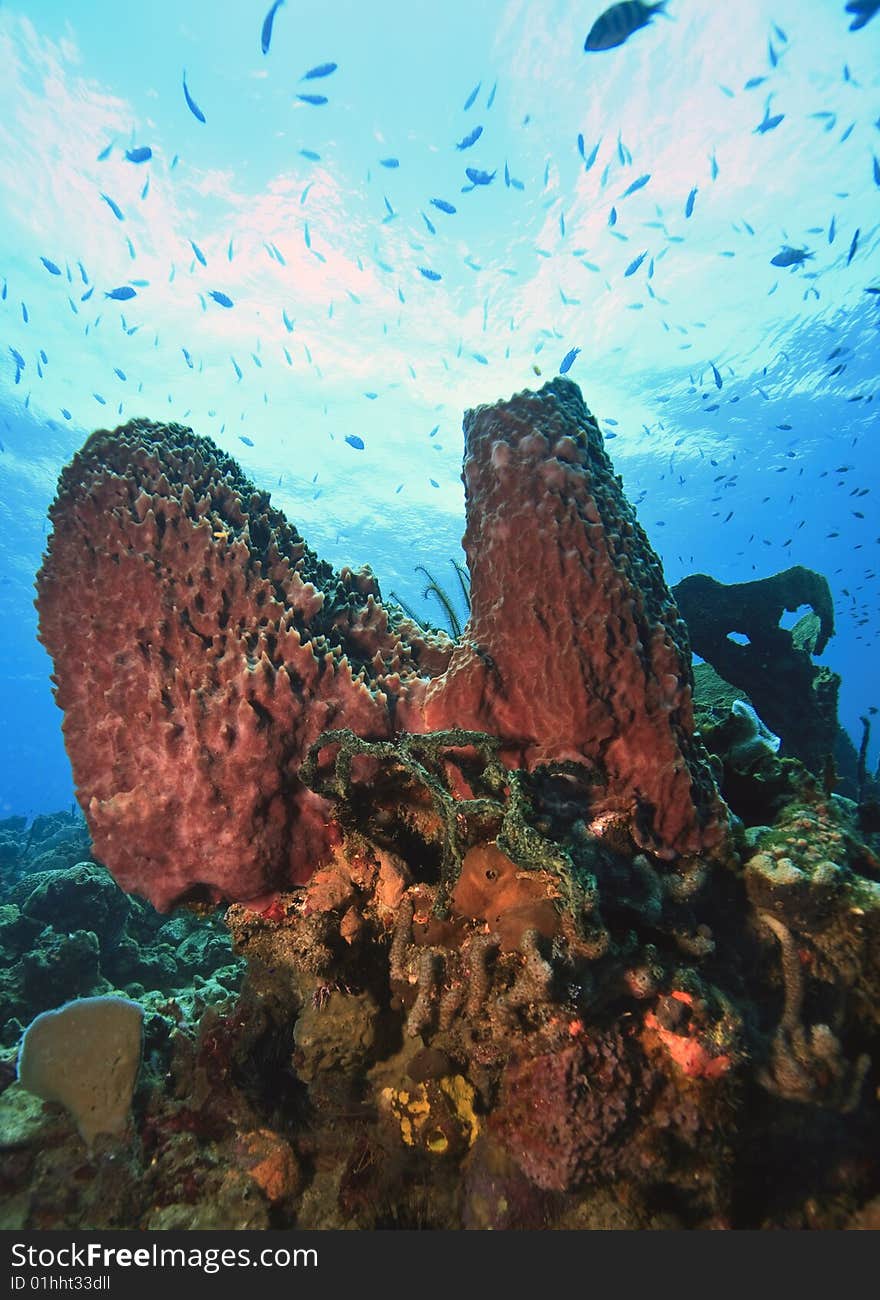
(438, 228)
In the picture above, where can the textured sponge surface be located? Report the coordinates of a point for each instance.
(85, 1055)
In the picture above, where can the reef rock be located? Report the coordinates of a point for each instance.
(796, 699)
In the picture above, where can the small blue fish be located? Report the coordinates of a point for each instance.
(66, 413)
(236, 367)
(114, 207)
(831, 231)
(432, 229)
(87, 295)
(568, 361)
(248, 442)
(122, 294)
(594, 153)
(491, 100)
(469, 102)
(24, 312)
(313, 99)
(105, 152)
(478, 177)
(322, 70)
(754, 82)
(691, 199)
(50, 266)
(852, 248)
(390, 163)
(312, 157)
(636, 185)
(99, 398)
(769, 123)
(635, 263)
(443, 205)
(612, 217)
(718, 380)
(198, 252)
(471, 138)
(266, 32)
(222, 299)
(140, 155)
(714, 166)
(120, 373)
(288, 323)
(618, 23)
(354, 441)
(146, 189)
(876, 171)
(429, 274)
(788, 256)
(191, 103)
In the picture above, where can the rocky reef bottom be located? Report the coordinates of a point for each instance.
(488, 1011)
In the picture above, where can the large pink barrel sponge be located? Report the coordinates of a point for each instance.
(200, 647)
(575, 649)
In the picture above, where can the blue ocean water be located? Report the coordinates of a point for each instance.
(195, 229)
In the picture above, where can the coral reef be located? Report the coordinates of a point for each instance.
(68, 930)
(512, 962)
(221, 648)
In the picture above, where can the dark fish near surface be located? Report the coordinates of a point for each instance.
(864, 11)
(222, 298)
(248, 442)
(143, 153)
(354, 441)
(198, 252)
(788, 256)
(122, 294)
(689, 206)
(852, 248)
(191, 103)
(50, 266)
(718, 380)
(429, 274)
(313, 99)
(568, 361)
(266, 33)
(635, 264)
(618, 23)
(479, 177)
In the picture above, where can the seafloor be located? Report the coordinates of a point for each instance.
(534, 928)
